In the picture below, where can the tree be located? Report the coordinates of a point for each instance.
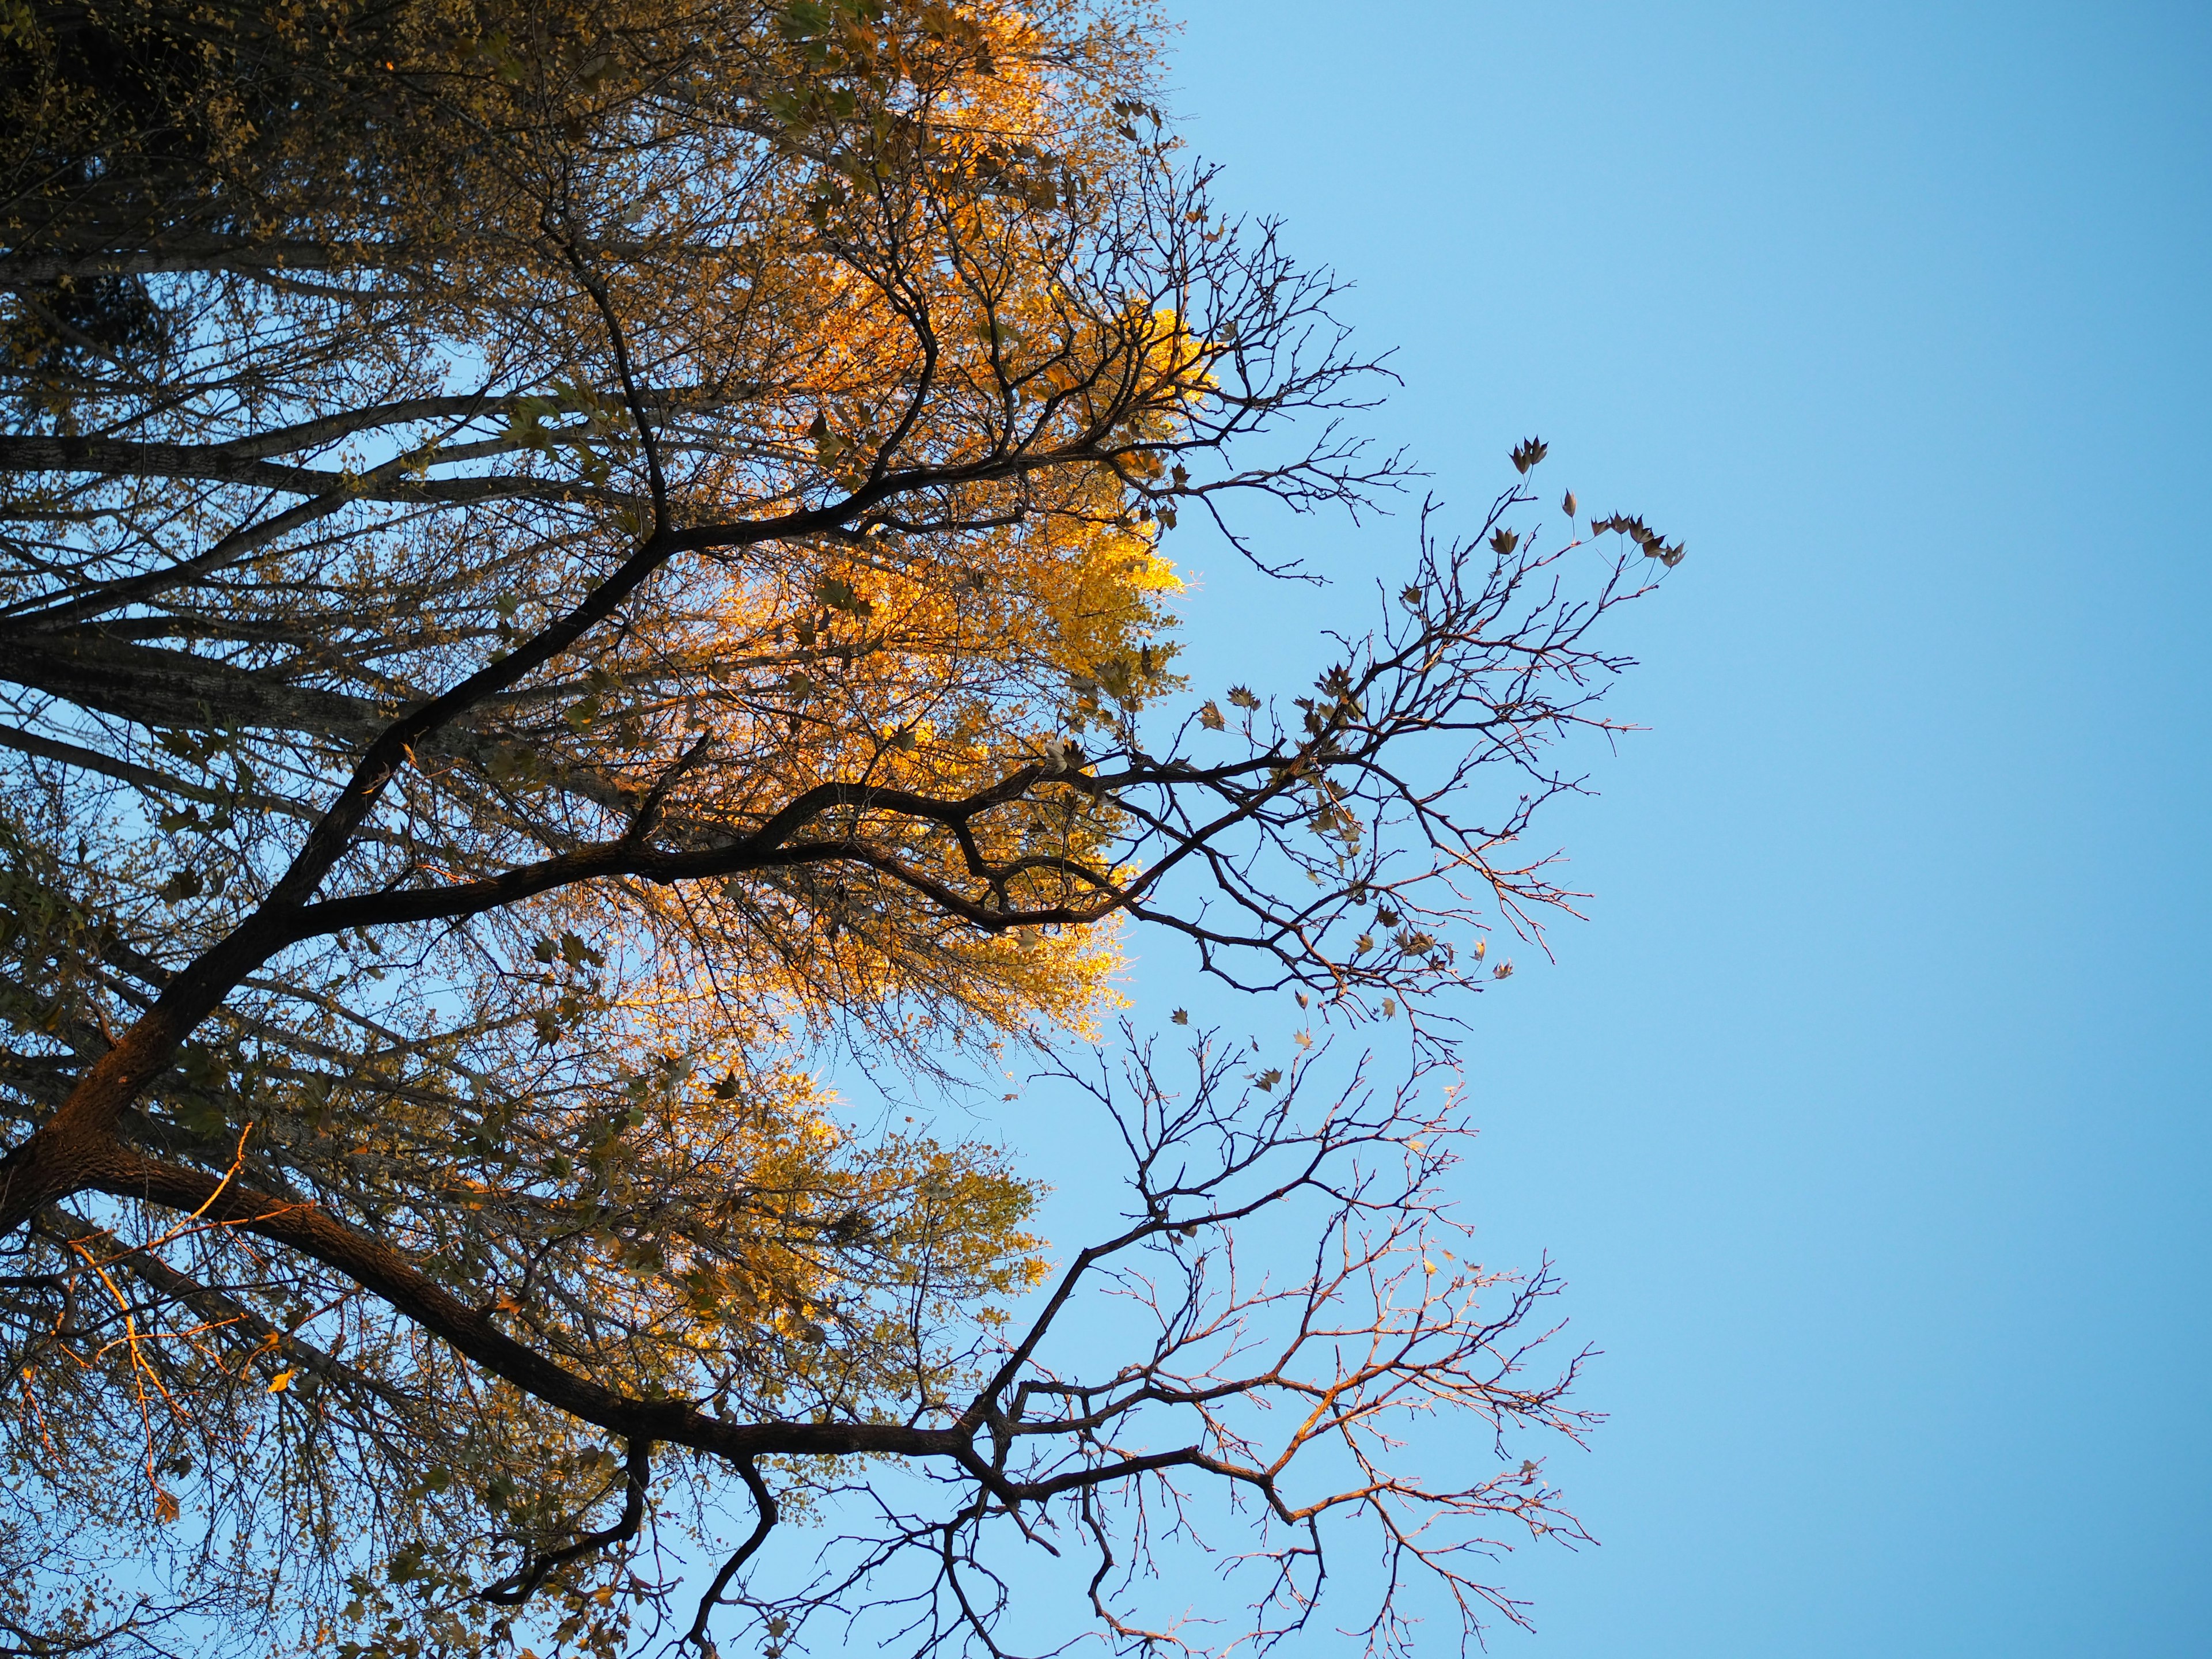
(561, 562)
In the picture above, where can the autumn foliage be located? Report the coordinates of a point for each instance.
(563, 565)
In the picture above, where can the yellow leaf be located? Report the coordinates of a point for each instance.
(283, 1379)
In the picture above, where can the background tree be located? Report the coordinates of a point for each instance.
(561, 561)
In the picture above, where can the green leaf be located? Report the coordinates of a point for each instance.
(803, 19)
(200, 1118)
(840, 595)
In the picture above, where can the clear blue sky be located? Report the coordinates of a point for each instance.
(1867, 1114)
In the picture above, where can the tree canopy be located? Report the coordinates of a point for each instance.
(559, 565)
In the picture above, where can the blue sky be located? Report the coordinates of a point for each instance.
(1867, 1114)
